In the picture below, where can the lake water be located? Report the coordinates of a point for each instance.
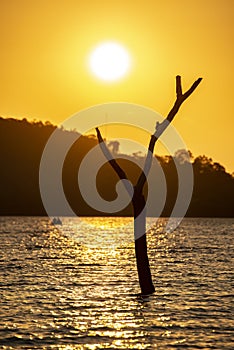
(74, 286)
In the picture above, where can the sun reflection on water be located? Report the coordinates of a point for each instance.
(62, 289)
(107, 222)
(99, 231)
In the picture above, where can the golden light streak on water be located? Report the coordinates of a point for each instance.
(59, 291)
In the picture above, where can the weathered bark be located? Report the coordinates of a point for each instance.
(142, 260)
(138, 200)
(143, 267)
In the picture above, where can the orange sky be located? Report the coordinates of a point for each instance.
(45, 47)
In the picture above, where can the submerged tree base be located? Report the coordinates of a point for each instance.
(143, 267)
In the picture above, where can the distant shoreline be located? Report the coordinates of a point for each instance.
(22, 144)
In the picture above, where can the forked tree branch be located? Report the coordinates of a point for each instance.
(160, 128)
(180, 97)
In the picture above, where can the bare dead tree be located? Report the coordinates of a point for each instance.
(138, 199)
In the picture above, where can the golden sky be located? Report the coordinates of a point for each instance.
(45, 47)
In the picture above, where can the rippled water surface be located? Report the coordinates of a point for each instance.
(75, 286)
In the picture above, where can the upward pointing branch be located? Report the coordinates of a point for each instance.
(180, 97)
(119, 171)
(109, 157)
(160, 128)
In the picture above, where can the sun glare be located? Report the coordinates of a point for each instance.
(109, 61)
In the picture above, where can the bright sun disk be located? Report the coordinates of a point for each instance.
(109, 61)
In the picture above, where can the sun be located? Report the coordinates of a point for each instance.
(109, 61)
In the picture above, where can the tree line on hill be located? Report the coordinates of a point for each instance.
(21, 147)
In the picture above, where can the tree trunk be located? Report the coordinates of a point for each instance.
(142, 260)
(138, 200)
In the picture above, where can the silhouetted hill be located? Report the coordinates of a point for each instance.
(22, 144)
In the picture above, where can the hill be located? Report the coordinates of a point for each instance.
(22, 143)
